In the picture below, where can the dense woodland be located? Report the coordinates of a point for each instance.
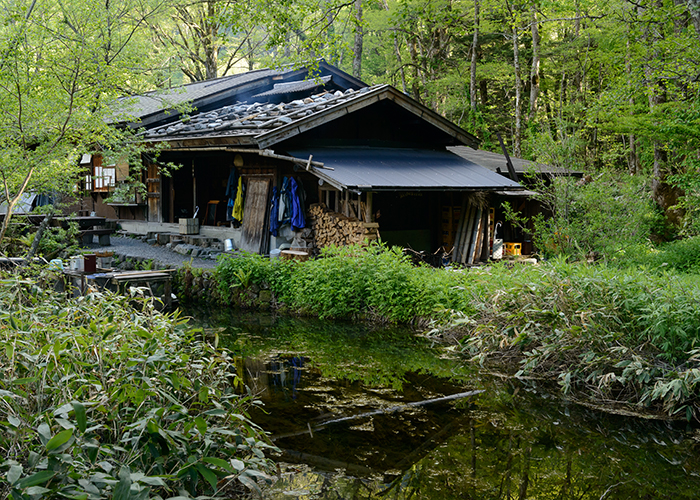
(103, 397)
(594, 86)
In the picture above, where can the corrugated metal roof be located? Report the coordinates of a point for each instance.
(496, 162)
(378, 169)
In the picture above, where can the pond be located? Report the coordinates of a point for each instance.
(362, 412)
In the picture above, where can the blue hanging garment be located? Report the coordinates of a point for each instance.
(285, 210)
(231, 184)
(298, 221)
(274, 212)
(229, 210)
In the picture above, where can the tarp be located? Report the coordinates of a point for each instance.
(402, 169)
(23, 206)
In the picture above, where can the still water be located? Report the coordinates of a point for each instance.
(361, 412)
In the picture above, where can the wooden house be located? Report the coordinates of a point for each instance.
(365, 160)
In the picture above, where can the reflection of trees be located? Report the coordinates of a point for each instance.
(514, 444)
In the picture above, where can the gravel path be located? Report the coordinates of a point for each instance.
(135, 248)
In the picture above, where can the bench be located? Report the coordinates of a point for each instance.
(86, 236)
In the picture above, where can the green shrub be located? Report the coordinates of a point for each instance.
(101, 399)
(608, 215)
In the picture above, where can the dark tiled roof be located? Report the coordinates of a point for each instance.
(266, 124)
(157, 101)
(292, 87)
(243, 119)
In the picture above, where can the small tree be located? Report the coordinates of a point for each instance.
(62, 66)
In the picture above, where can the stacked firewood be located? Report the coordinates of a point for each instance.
(332, 228)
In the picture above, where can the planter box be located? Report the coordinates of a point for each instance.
(189, 226)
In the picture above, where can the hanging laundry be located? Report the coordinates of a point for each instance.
(231, 194)
(301, 193)
(238, 204)
(229, 210)
(231, 184)
(298, 221)
(285, 210)
(274, 212)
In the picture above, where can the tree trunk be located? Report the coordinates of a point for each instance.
(535, 68)
(694, 13)
(12, 201)
(402, 71)
(517, 134)
(475, 47)
(664, 194)
(415, 84)
(39, 234)
(525, 477)
(578, 74)
(211, 63)
(633, 158)
(484, 92)
(357, 48)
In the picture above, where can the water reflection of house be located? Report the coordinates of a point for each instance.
(369, 153)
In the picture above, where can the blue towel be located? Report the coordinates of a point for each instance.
(274, 212)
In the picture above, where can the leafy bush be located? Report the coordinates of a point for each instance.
(101, 399)
(618, 332)
(608, 215)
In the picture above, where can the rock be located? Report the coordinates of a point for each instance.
(183, 249)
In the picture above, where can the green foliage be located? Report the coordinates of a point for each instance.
(55, 241)
(101, 399)
(346, 282)
(609, 215)
(610, 330)
(681, 256)
(611, 333)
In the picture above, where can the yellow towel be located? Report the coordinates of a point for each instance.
(238, 204)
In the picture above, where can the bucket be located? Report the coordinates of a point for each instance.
(275, 253)
(497, 249)
(228, 245)
(76, 263)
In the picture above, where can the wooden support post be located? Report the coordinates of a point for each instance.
(476, 253)
(368, 210)
(194, 191)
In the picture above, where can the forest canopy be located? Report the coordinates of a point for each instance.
(591, 86)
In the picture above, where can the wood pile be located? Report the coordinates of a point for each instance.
(331, 228)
